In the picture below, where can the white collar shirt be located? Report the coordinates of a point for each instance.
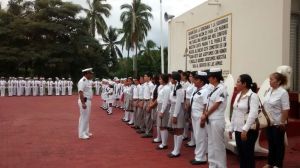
(219, 94)
(85, 86)
(275, 102)
(241, 105)
(141, 91)
(198, 101)
(135, 92)
(148, 88)
(177, 100)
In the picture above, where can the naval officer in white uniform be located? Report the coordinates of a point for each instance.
(84, 101)
(214, 116)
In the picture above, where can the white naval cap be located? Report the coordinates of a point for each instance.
(88, 70)
(201, 73)
(212, 70)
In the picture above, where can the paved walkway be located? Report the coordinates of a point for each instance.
(41, 132)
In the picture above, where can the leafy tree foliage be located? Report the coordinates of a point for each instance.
(47, 38)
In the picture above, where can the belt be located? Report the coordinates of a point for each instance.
(135, 99)
(146, 99)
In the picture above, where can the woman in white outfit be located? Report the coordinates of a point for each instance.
(176, 118)
(198, 105)
(163, 107)
(246, 102)
(214, 116)
(277, 103)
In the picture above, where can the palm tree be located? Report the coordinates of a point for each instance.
(135, 19)
(111, 43)
(147, 48)
(95, 16)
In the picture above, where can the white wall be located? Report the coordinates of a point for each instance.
(260, 35)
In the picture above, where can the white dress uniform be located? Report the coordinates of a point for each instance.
(163, 106)
(216, 128)
(97, 87)
(188, 94)
(70, 87)
(85, 86)
(2, 87)
(177, 110)
(148, 88)
(19, 86)
(10, 87)
(35, 87)
(42, 87)
(63, 87)
(15, 86)
(57, 85)
(198, 102)
(50, 87)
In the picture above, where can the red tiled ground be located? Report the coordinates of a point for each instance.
(41, 132)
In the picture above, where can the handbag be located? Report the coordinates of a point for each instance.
(264, 118)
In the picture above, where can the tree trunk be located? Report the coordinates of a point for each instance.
(135, 63)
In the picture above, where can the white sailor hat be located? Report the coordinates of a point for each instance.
(202, 76)
(201, 73)
(88, 70)
(215, 72)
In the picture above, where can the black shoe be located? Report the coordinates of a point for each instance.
(195, 162)
(140, 131)
(147, 136)
(170, 155)
(161, 148)
(129, 124)
(185, 139)
(189, 146)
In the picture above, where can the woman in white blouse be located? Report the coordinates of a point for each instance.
(246, 102)
(163, 107)
(278, 105)
(176, 118)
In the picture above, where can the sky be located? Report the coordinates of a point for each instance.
(173, 7)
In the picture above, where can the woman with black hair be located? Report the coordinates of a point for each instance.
(214, 116)
(176, 118)
(198, 105)
(153, 106)
(163, 107)
(246, 102)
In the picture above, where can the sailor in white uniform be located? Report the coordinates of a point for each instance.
(42, 86)
(84, 102)
(70, 86)
(214, 116)
(198, 103)
(63, 87)
(2, 86)
(57, 85)
(97, 86)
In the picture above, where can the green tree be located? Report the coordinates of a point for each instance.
(95, 16)
(48, 39)
(135, 19)
(111, 44)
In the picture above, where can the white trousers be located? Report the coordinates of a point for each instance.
(42, 90)
(200, 135)
(2, 91)
(10, 90)
(63, 91)
(216, 144)
(97, 90)
(50, 90)
(27, 91)
(83, 126)
(57, 91)
(69, 91)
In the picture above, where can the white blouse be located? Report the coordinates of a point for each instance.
(189, 91)
(178, 100)
(239, 122)
(198, 101)
(276, 101)
(163, 97)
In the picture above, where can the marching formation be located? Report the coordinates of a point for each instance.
(35, 86)
(193, 104)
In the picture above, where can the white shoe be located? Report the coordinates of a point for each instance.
(156, 140)
(84, 137)
(90, 134)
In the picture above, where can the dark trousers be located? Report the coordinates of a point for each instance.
(276, 146)
(246, 148)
